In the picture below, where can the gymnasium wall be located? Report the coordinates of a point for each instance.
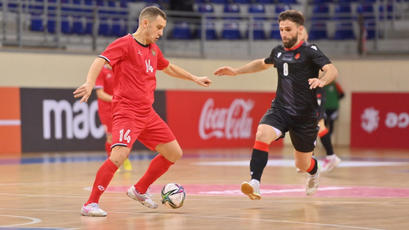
(38, 70)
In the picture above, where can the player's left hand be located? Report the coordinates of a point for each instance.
(315, 82)
(203, 81)
(83, 92)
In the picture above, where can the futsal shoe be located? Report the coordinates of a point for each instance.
(251, 189)
(312, 183)
(330, 162)
(145, 199)
(92, 209)
(127, 165)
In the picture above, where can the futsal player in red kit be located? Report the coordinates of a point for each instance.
(134, 59)
(104, 88)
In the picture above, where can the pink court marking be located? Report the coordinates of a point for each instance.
(284, 191)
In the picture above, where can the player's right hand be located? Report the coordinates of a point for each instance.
(83, 92)
(225, 70)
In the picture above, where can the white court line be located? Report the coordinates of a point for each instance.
(226, 217)
(33, 221)
(9, 122)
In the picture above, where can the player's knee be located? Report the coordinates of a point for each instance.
(178, 154)
(262, 136)
(119, 154)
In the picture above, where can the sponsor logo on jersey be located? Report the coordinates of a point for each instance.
(279, 54)
(297, 56)
(153, 52)
(314, 48)
(149, 68)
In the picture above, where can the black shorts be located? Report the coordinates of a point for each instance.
(303, 130)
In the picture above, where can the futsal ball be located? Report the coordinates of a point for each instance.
(173, 195)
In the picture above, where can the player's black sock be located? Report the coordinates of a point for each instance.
(258, 163)
(314, 166)
(326, 142)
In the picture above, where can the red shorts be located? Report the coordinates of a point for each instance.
(149, 129)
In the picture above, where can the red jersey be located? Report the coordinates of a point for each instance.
(105, 81)
(134, 66)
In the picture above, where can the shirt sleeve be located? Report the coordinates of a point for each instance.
(318, 57)
(99, 83)
(116, 51)
(162, 61)
(270, 59)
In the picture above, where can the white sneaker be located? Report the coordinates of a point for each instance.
(312, 183)
(92, 209)
(251, 189)
(330, 162)
(145, 199)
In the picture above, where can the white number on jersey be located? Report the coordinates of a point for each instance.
(285, 69)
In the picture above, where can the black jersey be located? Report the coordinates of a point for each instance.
(295, 66)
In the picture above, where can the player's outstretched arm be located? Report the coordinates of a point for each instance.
(329, 74)
(178, 72)
(85, 90)
(251, 67)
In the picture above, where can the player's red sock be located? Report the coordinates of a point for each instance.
(108, 148)
(323, 132)
(102, 179)
(158, 166)
(313, 167)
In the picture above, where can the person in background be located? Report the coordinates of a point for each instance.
(104, 87)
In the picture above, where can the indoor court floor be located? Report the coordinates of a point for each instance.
(369, 190)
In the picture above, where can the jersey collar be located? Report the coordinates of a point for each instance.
(295, 47)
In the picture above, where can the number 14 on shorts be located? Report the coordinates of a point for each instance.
(124, 136)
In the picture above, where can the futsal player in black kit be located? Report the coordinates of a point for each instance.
(295, 108)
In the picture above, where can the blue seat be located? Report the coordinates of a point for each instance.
(264, 1)
(280, 8)
(181, 30)
(232, 9)
(219, 1)
(242, 1)
(318, 30)
(343, 12)
(389, 11)
(231, 31)
(367, 10)
(344, 31)
(275, 31)
(36, 22)
(320, 12)
(257, 10)
(210, 31)
(210, 25)
(288, 2)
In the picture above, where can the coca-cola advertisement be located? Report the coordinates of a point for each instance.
(216, 119)
(380, 120)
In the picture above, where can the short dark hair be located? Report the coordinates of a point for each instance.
(152, 12)
(292, 15)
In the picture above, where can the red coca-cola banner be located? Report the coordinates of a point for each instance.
(216, 119)
(380, 120)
